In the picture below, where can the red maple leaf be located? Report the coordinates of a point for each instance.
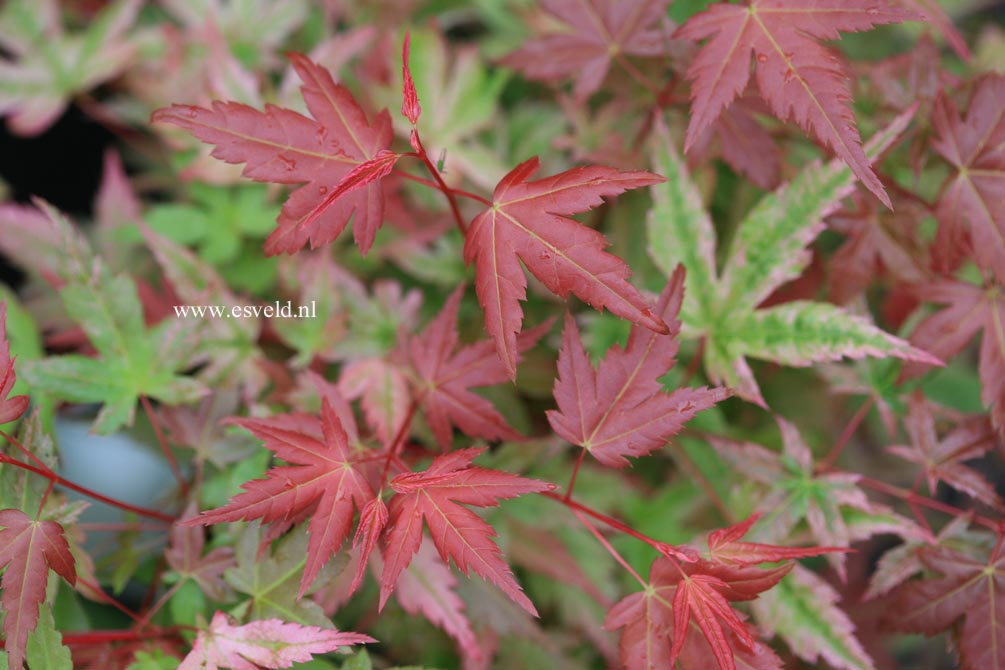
(943, 459)
(969, 309)
(339, 157)
(742, 142)
(798, 78)
(595, 33)
(877, 242)
(28, 549)
(528, 222)
(968, 589)
(445, 374)
(621, 409)
(457, 532)
(325, 483)
(10, 408)
(970, 205)
(682, 599)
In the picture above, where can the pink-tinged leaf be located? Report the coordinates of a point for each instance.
(803, 610)
(878, 243)
(899, 564)
(800, 80)
(28, 550)
(970, 204)
(116, 203)
(969, 309)
(410, 107)
(528, 222)
(621, 410)
(542, 551)
(596, 31)
(427, 588)
(445, 374)
(339, 156)
(10, 407)
(793, 491)
(936, 16)
(943, 460)
(966, 588)
(384, 392)
(743, 143)
(184, 556)
(269, 643)
(457, 532)
(323, 484)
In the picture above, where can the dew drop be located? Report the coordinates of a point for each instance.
(189, 112)
(789, 74)
(544, 256)
(322, 190)
(288, 163)
(761, 58)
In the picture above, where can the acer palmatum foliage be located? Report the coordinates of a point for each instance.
(799, 79)
(411, 462)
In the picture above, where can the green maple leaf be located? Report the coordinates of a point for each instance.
(132, 360)
(768, 250)
(272, 581)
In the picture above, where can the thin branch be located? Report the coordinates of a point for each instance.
(575, 473)
(610, 548)
(917, 499)
(165, 448)
(399, 439)
(49, 474)
(847, 433)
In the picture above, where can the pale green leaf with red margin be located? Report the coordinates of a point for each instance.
(681, 231)
(769, 249)
(803, 610)
(133, 360)
(269, 643)
(45, 66)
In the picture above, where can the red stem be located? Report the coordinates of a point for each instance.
(52, 476)
(661, 547)
(845, 437)
(610, 548)
(432, 184)
(575, 473)
(165, 449)
(442, 185)
(917, 499)
(399, 439)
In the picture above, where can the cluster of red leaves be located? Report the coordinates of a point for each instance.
(345, 164)
(684, 614)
